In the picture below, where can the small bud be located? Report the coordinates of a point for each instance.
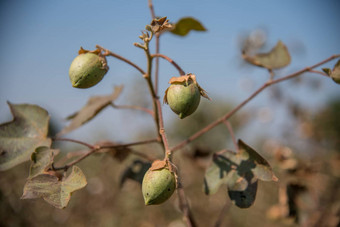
(158, 186)
(184, 95)
(159, 25)
(87, 69)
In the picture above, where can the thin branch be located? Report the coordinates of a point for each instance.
(157, 63)
(306, 69)
(233, 111)
(73, 141)
(153, 16)
(184, 206)
(129, 144)
(146, 110)
(96, 148)
(158, 116)
(318, 72)
(67, 166)
(71, 155)
(180, 70)
(231, 131)
(161, 126)
(223, 212)
(110, 53)
(152, 11)
(155, 99)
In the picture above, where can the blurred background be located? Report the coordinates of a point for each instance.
(295, 125)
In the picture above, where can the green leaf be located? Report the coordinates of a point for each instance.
(219, 173)
(278, 57)
(20, 137)
(91, 109)
(135, 171)
(185, 25)
(256, 163)
(244, 198)
(42, 159)
(52, 190)
(240, 172)
(335, 74)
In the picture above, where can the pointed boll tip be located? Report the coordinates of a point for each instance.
(148, 202)
(181, 115)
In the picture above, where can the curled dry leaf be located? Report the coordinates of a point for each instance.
(53, 190)
(159, 25)
(20, 137)
(42, 159)
(83, 51)
(158, 164)
(94, 106)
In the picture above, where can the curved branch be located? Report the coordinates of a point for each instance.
(232, 134)
(128, 144)
(152, 11)
(223, 213)
(73, 141)
(184, 206)
(318, 72)
(110, 53)
(180, 70)
(96, 148)
(146, 110)
(233, 111)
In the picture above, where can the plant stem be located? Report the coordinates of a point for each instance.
(67, 166)
(318, 72)
(223, 213)
(161, 126)
(180, 192)
(157, 64)
(129, 144)
(180, 70)
(156, 103)
(110, 53)
(146, 110)
(184, 206)
(73, 141)
(259, 90)
(231, 131)
(152, 11)
(96, 148)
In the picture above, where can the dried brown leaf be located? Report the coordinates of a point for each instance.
(91, 109)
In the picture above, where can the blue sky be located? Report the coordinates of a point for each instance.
(40, 38)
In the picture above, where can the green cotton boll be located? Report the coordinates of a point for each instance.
(183, 98)
(87, 70)
(158, 186)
